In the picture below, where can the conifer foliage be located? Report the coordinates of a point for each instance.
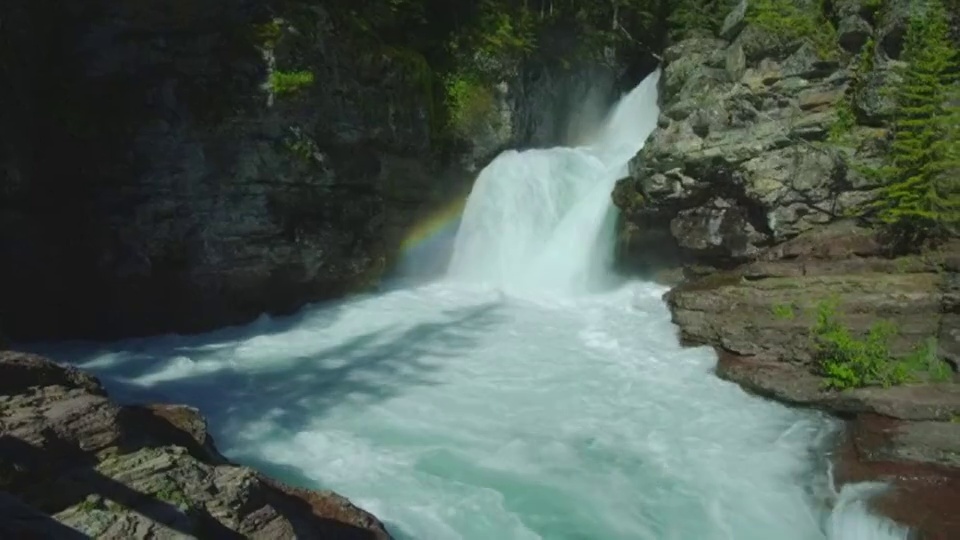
(921, 195)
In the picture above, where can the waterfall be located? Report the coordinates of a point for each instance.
(541, 220)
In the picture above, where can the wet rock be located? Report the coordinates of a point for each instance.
(923, 493)
(758, 317)
(131, 472)
(927, 405)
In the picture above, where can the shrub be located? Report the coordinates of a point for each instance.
(790, 20)
(284, 83)
(847, 362)
(470, 102)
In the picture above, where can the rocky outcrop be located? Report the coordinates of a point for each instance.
(744, 193)
(106, 471)
(754, 145)
(758, 317)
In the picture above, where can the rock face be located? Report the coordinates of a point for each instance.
(904, 434)
(748, 153)
(106, 471)
(164, 166)
(743, 192)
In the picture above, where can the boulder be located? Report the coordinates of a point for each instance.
(109, 471)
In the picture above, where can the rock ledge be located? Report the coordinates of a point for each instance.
(76, 465)
(907, 435)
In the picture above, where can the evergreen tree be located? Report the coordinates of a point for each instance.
(921, 195)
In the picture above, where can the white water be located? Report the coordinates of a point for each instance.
(541, 220)
(510, 401)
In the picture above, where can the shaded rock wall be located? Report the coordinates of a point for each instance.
(155, 180)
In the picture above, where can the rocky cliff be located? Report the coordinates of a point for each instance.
(181, 165)
(744, 196)
(106, 471)
(746, 155)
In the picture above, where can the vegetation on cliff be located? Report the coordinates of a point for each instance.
(921, 195)
(792, 20)
(459, 52)
(689, 18)
(847, 361)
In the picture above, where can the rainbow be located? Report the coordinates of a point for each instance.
(434, 224)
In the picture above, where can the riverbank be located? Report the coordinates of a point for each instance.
(906, 435)
(77, 465)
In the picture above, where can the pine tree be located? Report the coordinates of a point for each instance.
(921, 197)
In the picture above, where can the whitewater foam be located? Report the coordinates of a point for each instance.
(504, 403)
(541, 220)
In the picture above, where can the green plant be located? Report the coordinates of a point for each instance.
(506, 32)
(924, 359)
(847, 362)
(89, 504)
(415, 65)
(690, 17)
(470, 102)
(300, 144)
(784, 311)
(789, 20)
(267, 34)
(174, 495)
(846, 119)
(284, 83)
(921, 195)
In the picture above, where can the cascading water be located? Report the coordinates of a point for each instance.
(540, 219)
(502, 403)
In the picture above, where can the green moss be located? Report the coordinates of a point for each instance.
(784, 312)
(299, 144)
(415, 64)
(842, 128)
(789, 20)
(688, 18)
(174, 495)
(268, 34)
(284, 83)
(89, 504)
(844, 123)
(470, 102)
